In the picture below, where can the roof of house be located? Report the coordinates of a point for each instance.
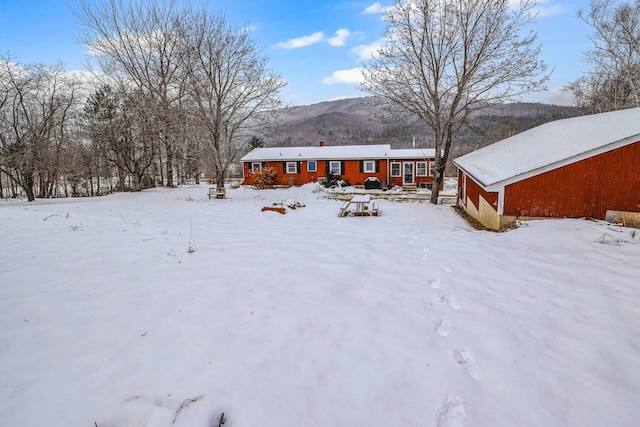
(338, 152)
(550, 146)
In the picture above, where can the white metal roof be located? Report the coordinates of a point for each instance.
(550, 146)
(343, 152)
(318, 153)
(413, 153)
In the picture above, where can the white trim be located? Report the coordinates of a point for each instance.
(331, 163)
(295, 167)
(501, 202)
(413, 173)
(253, 169)
(426, 168)
(371, 163)
(399, 174)
(464, 188)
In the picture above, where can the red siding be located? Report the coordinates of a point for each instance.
(587, 188)
(474, 191)
(351, 173)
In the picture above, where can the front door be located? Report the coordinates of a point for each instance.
(407, 175)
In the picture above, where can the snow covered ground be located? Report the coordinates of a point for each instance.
(306, 319)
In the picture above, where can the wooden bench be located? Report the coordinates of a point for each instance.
(219, 193)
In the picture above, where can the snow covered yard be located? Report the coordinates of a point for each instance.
(307, 319)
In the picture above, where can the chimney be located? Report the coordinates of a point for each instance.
(321, 143)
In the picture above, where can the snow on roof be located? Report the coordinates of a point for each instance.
(549, 146)
(343, 152)
(413, 153)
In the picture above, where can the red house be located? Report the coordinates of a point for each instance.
(577, 167)
(354, 163)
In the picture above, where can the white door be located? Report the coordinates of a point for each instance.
(407, 174)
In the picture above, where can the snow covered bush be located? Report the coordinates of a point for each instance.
(333, 181)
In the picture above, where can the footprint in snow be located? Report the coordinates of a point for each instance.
(446, 268)
(452, 413)
(434, 283)
(443, 327)
(451, 300)
(466, 358)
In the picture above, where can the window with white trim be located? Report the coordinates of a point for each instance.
(432, 168)
(395, 169)
(256, 167)
(421, 168)
(292, 167)
(312, 166)
(334, 167)
(369, 166)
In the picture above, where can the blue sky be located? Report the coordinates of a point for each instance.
(315, 46)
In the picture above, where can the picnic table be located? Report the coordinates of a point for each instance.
(359, 205)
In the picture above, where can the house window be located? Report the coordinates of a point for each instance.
(432, 168)
(395, 169)
(256, 167)
(334, 168)
(369, 166)
(421, 169)
(312, 166)
(292, 167)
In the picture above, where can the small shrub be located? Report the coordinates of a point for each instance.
(333, 181)
(265, 177)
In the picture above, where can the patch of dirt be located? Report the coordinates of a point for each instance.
(478, 225)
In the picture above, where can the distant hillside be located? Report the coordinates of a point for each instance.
(352, 121)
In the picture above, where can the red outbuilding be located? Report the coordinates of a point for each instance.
(357, 164)
(577, 167)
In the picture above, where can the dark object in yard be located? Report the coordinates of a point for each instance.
(372, 183)
(270, 208)
(221, 420)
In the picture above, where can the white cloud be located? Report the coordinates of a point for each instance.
(374, 9)
(340, 38)
(352, 76)
(551, 11)
(542, 7)
(302, 41)
(367, 51)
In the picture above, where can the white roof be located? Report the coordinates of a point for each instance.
(413, 153)
(550, 146)
(342, 152)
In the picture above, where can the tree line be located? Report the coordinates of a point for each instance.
(175, 91)
(181, 89)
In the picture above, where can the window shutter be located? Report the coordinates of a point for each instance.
(377, 166)
(298, 167)
(361, 166)
(284, 167)
(326, 169)
(342, 167)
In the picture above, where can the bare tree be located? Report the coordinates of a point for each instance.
(230, 85)
(122, 127)
(444, 59)
(140, 40)
(613, 82)
(36, 105)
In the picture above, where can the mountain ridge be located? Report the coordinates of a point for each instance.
(352, 121)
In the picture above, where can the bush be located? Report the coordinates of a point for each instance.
(265, 177)
(333, 181)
